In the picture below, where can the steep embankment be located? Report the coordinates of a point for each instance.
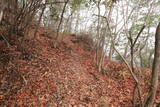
(42, 75)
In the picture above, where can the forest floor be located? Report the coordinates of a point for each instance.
(40, 74)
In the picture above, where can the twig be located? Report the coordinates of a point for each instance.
(6, 40)
(24, 80)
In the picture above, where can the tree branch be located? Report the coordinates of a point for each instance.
(138, 35)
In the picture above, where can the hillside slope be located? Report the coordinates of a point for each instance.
(42, 75)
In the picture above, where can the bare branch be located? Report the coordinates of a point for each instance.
(138, 35)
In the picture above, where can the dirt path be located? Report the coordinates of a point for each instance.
(61, 77)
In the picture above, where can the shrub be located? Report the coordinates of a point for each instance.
(86, 40)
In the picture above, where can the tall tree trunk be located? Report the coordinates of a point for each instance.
(2, 6)
(126, 49)
(39, 21)
(69, 22)
(77, 21)
(102, 54)
(111, 51)
(132, 45)
(155, 68)
(61, 18)
(1, 15)
(98, 53)
(150, 59)
(142, 47)
(70, 25)
(141, 58)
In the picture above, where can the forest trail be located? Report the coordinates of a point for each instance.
(65, 76)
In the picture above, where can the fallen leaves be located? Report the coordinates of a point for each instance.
(64, 76)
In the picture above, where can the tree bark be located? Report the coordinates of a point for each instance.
(77, 21)
(2, 7)
(155, 68)
(61, 18)
(125, 50)
(150, 59)
(111, 51)
(39, 21)
(1, 15)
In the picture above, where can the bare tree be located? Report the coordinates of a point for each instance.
(155, 68)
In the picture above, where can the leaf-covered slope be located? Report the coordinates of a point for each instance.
(63, 76)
